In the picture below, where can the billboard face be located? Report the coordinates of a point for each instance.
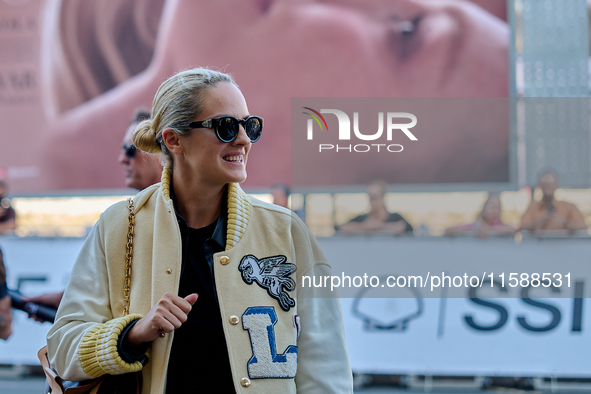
(84, 68)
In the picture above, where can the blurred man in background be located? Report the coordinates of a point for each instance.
(549, 213)
(280, 193)
(379, 220)
(141, 169)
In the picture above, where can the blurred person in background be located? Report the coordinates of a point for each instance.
(141, 170)
(280, 193)
(5, 308)
(549, 214)
(488, 222)
(7, 213)
(379, 219)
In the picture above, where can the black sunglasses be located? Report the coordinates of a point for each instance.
(129, 150)
(227, 127)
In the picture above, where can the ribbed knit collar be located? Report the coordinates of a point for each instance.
(238, 209)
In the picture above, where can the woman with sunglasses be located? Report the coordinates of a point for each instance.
(213, 304)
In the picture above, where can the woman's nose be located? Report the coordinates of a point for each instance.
(242, 138)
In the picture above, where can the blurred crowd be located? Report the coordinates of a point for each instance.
(545, 215)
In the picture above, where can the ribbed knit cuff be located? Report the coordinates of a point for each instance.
(98, 350)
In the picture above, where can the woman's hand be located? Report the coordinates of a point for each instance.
(168, 314)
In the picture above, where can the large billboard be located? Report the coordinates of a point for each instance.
(73, 72)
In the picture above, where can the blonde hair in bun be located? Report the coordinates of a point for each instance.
(179, 100)
(143, 137)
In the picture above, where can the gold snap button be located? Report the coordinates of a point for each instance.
(234, 320)
(168, 271)
(245, 382)
(225, 260)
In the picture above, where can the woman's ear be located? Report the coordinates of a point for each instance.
(172, 141)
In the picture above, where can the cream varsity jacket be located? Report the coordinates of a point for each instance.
(279, 339)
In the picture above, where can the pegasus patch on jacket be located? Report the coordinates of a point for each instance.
(272, 274)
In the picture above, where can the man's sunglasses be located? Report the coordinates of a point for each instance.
(129, 150)
(227, 127)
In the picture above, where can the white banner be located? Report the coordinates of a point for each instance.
(438, 339)
(479, 334)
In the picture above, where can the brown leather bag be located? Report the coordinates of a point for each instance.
(113, 384)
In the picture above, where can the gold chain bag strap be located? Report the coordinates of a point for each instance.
(95, 386)
(128, 255)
